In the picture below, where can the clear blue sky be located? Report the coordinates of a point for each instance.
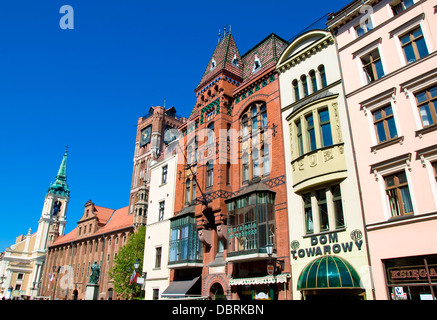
(87, 87)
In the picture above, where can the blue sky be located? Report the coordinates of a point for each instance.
(87, 87)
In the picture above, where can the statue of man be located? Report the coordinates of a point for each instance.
(95, 273)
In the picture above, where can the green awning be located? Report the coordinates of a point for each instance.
(328, 272)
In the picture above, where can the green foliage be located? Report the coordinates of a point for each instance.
(124, 264)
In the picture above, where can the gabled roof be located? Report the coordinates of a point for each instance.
(113, 219)
(224, 54)
(267, 53)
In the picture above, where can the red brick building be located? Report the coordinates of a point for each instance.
(99, 235)
(154, 131)
(231, 195)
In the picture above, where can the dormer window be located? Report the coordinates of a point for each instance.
(235, 60)
(398, 6)
(213, 64)
(256, 64)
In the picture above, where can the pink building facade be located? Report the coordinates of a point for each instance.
(388, 55)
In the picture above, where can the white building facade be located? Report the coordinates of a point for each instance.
(327, 240)
(160, 209)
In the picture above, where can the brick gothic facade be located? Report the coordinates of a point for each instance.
(230, 192)
(99, 235)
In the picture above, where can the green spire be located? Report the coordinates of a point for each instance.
(60, 187)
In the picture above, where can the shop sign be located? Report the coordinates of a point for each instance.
(270, 269)
(243, 230)
(411, 274)
(327, 244)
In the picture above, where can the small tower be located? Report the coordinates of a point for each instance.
(53, 217)
(141, 206)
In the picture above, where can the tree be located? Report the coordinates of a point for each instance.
(123, 267)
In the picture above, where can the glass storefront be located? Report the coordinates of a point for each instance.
(412, 278)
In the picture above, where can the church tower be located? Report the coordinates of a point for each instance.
(53, 217)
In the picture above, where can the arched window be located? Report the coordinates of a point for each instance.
(296, 90)
(313, 80)
(323, 75)
(303, 79)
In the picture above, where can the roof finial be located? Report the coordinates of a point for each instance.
(164, 103)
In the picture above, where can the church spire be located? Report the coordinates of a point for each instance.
(60, 186)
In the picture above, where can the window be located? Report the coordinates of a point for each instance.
(323, 210)
(338, 206)
(323, 76)
(228, 173)
(311, 133)
(413, 45)
(193, 194)
(364, 27)
(161, 210)
(263, 116)
(384, 124)
(251, 223)
(398, 6)
(20, 276)
(256, 64)
(158, 255)
(254, 119)
(235, 60)
(296, 90)
(427, 103)
(303, 79)
(396, 187)
(255, 162)
(245, 122)
(209, 174)
(372, 66)
(313, 80)
(211, 133)
(309, 228)
(188, 191)
(325, 127)
(329, 208)
(245, 166)
(185, 245)
(164, 175)
(155, 294)
(434, 165)
(299, 138)
(266, 159)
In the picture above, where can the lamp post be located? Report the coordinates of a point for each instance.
(269, 250)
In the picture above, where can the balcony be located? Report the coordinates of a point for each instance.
(185, 247)
(251, 226)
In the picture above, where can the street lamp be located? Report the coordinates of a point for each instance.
(137, 264)
(269, 250)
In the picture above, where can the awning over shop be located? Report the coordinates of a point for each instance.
(280, 278)
(181, 289)
(329, 272)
